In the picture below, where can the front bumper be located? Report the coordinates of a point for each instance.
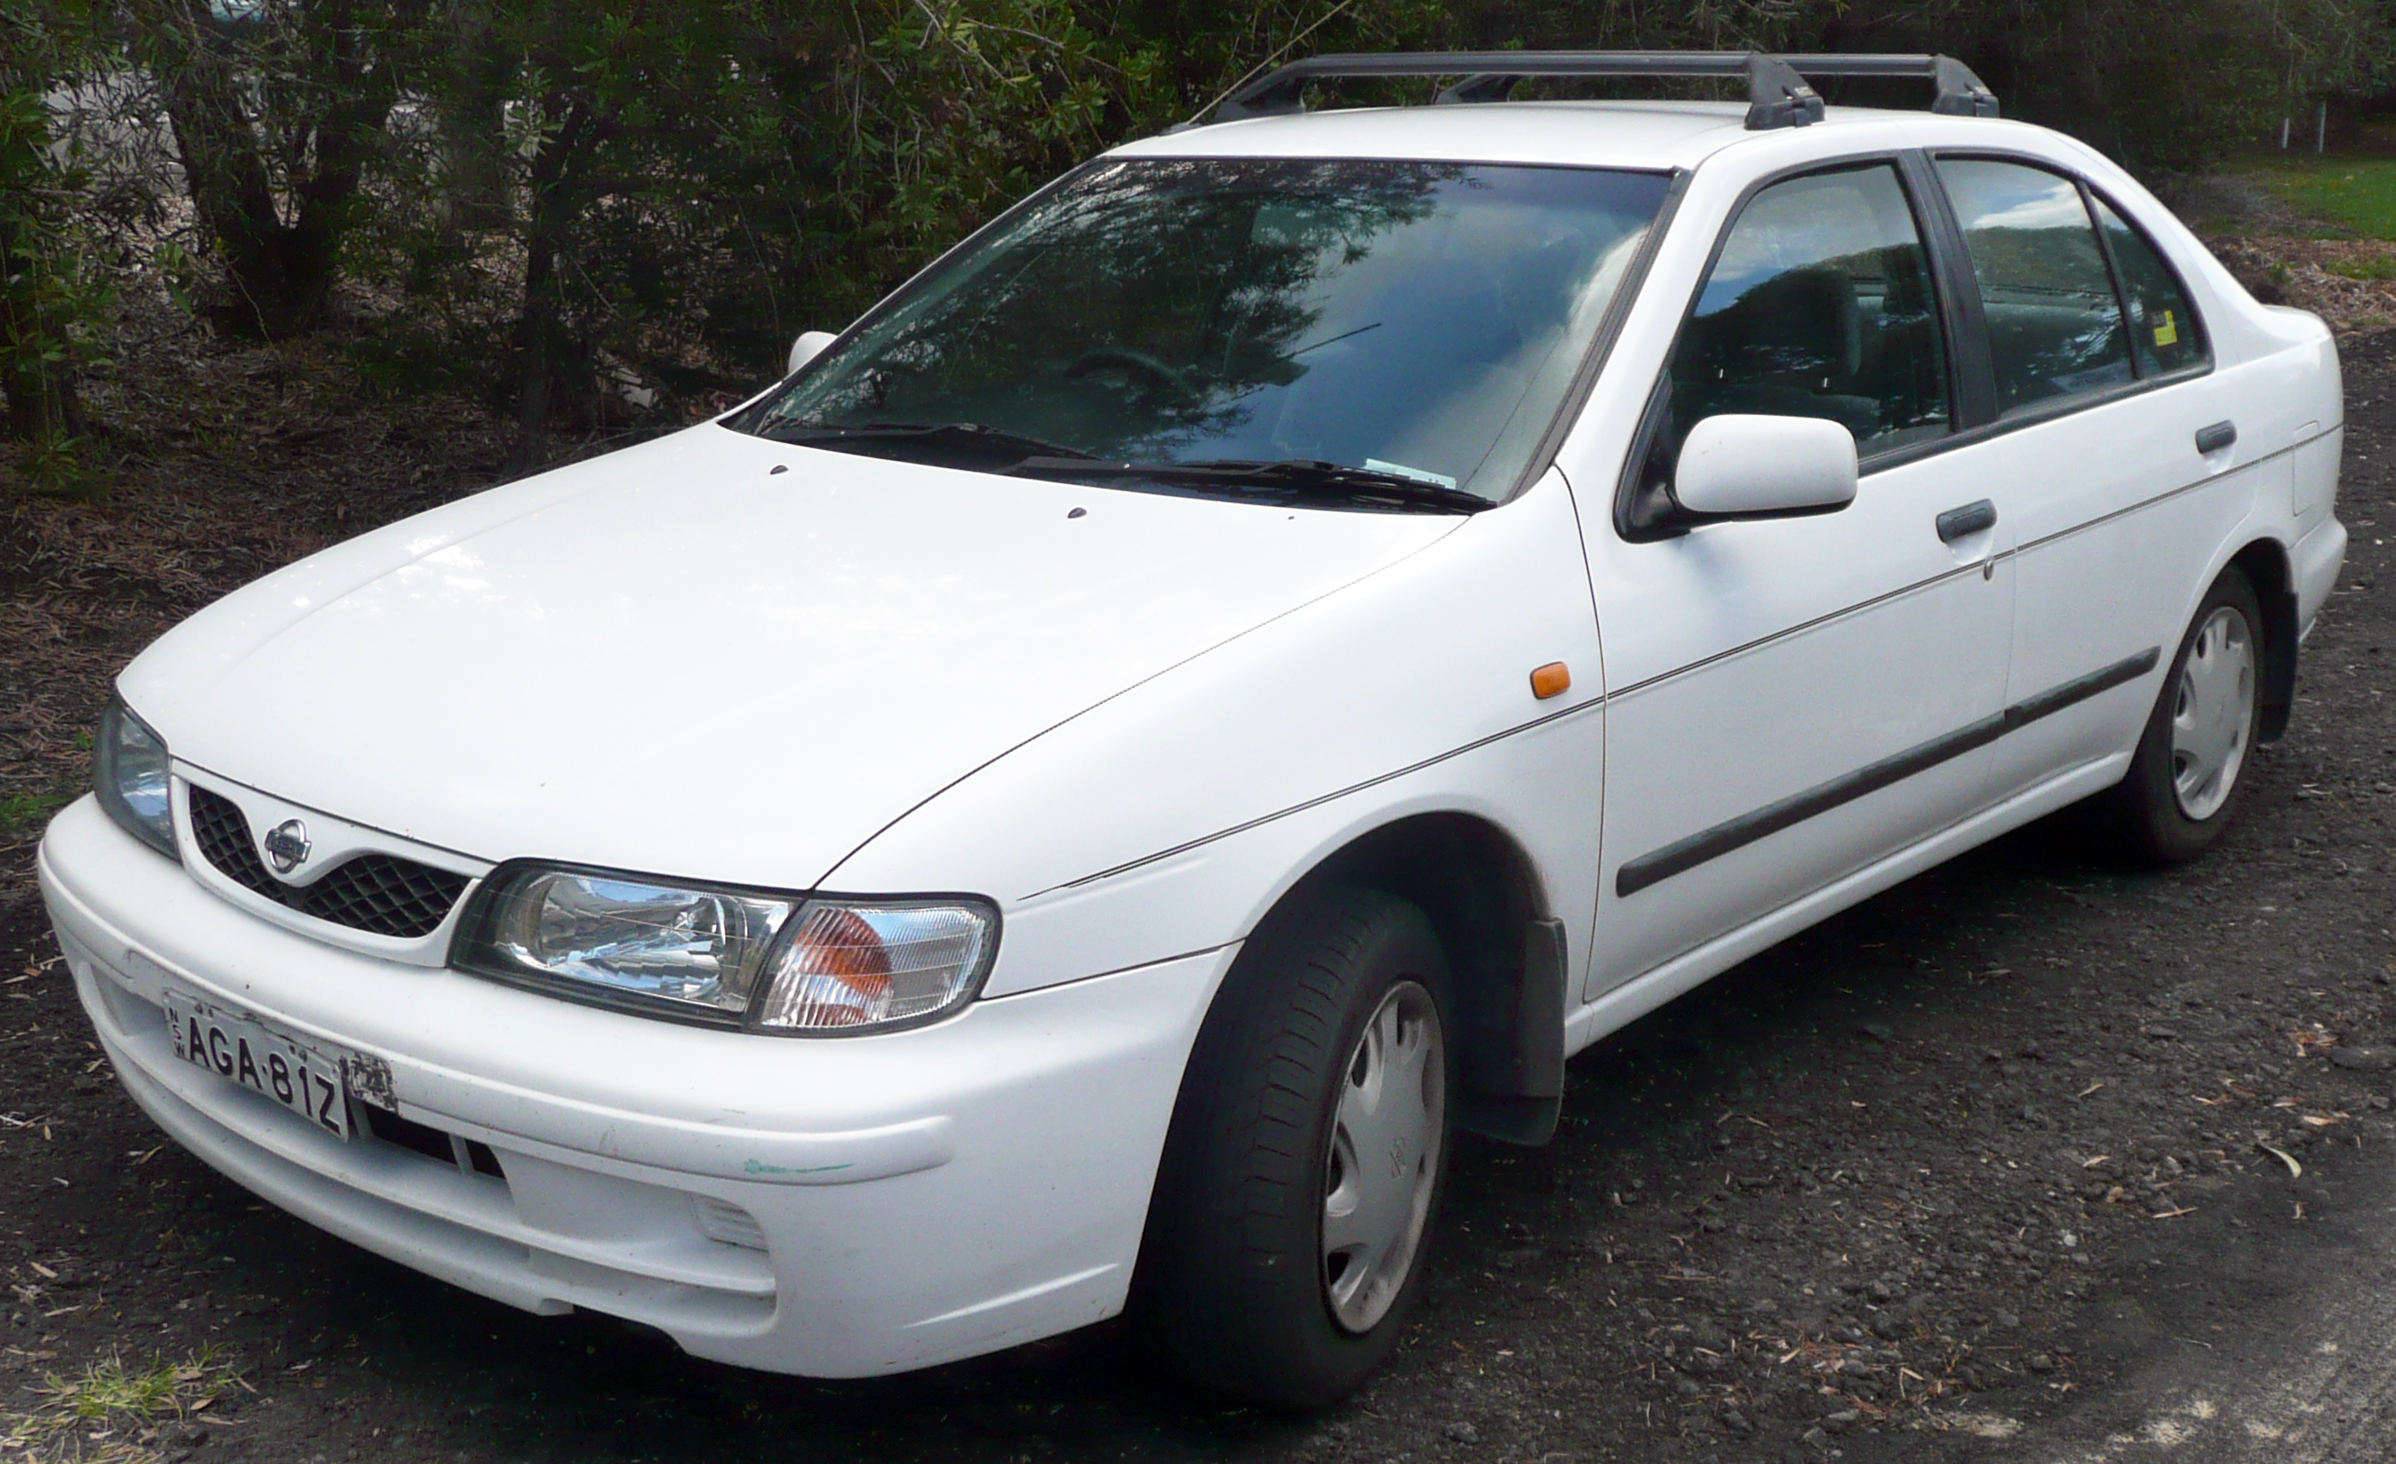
(917, 1197)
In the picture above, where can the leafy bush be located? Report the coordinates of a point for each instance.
(613, 214)
(50, 306)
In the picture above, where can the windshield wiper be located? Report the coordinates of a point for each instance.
(1293, 478)
(958, 434)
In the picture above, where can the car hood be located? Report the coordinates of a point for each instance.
(716, 656)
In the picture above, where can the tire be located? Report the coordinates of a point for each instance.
(2184, 781)
(1267, 1157)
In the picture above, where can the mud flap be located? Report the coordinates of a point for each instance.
(1518, 1095)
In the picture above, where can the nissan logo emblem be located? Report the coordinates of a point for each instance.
(287, 845)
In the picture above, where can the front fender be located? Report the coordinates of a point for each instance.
(1169, 819)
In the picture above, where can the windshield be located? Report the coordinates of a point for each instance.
(1410, 320)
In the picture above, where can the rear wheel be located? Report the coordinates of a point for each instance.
(1299, 1184)
(2183, 783)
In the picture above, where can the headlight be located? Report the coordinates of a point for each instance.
(769, 961)
(129, 773)
(693, 949)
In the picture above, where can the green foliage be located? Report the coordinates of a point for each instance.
(23, 814)
(667, 196)
(2164, 85)
(51, 306)
(278, 117)
(65, 1413)
(614, 214)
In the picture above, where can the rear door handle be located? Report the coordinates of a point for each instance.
(2216, 437)
(1955, 523)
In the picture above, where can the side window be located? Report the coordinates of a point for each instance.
(2164, 330)
(1819, 306)
(2054, 323)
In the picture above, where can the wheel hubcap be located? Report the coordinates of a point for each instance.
(2212, 713)
(1384, 1158)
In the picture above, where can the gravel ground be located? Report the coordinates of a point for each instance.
(2033, 1158)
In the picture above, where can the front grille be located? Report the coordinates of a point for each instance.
(373, 892)
(468, 1155)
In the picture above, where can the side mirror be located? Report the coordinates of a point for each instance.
(1739, 466)
(807, 347)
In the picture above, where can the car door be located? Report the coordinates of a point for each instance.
(2118, 446)
(1790, 700)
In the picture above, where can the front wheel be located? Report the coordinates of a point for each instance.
(1294, 1206)
(2183, 783)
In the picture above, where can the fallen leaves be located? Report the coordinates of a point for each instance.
(2295, 1170)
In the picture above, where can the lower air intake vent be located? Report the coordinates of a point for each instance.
(371, 892)
(724, 1221)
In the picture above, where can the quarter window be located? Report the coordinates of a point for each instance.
(2164, 330)
(2054, 322)
(1819, 306)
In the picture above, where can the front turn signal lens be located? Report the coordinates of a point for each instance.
(1552, 679)
(848, 967)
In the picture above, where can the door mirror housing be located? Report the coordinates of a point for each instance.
(807, 347)
(1742, 466)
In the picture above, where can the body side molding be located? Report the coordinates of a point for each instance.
(1686, 854)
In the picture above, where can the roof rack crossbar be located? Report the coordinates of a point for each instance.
(1777, 92)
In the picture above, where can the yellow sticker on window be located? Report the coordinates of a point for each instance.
(2168, 333)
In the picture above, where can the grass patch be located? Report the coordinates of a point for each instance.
(109, 1413)
(23, 814)
(2362, 269)
(2357, 194)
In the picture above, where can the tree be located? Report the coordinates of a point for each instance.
(277, 116)
(48, 304)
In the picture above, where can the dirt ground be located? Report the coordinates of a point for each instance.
(2034, 1158)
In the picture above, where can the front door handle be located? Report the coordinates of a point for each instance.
(2210, 440)
(1969, 519)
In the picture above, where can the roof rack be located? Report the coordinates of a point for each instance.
(1777, 93)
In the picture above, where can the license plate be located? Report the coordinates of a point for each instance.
(293, 1074)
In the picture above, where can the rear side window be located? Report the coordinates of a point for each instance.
(1819, 306)
(2054, 323)
(2164, 330)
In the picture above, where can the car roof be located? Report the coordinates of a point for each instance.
(1645, 135)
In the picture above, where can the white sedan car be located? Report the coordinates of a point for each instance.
(1074, 797)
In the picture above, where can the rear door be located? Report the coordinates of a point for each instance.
(1790, 700)
(2118, 446)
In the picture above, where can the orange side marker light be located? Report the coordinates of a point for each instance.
(1552, 679)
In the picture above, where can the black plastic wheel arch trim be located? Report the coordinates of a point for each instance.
(1683, 855)
(1520, 1098)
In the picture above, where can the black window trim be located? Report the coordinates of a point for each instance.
(1974, 385)
(1910, 183)
(2090, 197)
(1601, 342)
(2064, 406)
(1971, 369)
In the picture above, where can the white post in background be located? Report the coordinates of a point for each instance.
(2321, 130)
(2284, 134)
